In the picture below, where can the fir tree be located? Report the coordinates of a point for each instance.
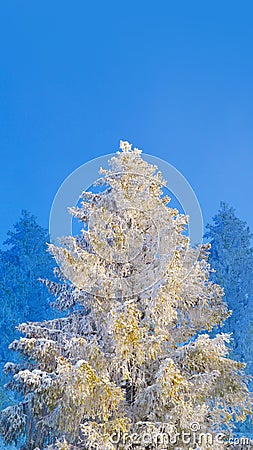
(134, 354)
(231, 256)
(22, 296)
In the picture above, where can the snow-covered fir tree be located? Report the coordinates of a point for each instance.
(134, 355)
(22, 296)
(231, 256)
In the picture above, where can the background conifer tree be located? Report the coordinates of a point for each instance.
(25, 260)
(231, 255)
(134, 354)
(22, 296)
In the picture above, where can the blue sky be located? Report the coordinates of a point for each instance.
(173, 78)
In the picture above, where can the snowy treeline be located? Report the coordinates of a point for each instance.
(24, 299)
(136, 347)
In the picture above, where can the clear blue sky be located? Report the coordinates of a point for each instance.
(173, 78)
